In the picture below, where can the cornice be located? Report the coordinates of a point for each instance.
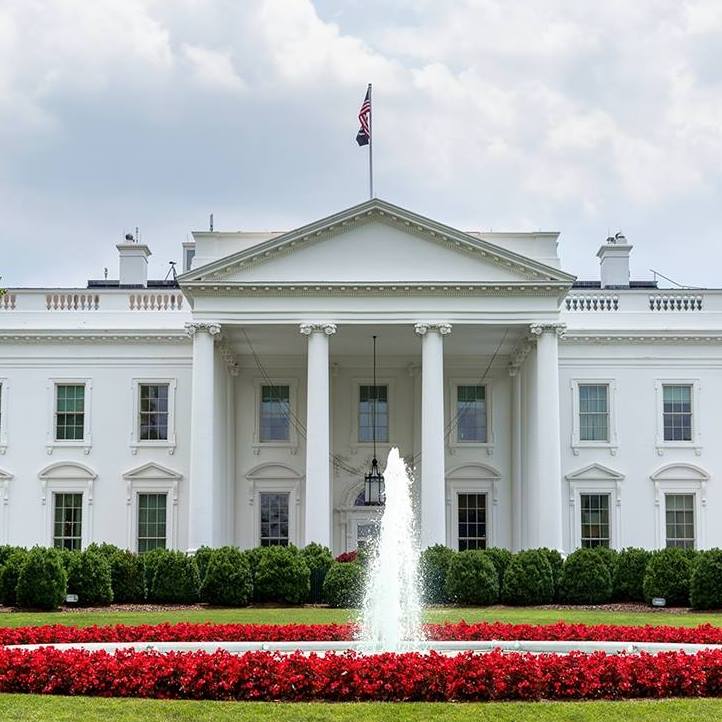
(93, 337)
(632, 337)
(393, 288)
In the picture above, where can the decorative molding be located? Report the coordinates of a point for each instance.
(309, 327)
(423, 327)
(540, 327)
(635, 337)
(518, 356)
(211, 327)
(93, 337)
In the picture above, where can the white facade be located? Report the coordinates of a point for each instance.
(234, 407)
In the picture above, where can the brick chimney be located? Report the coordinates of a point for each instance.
(614, 262)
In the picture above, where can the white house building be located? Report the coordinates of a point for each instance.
(236, 405)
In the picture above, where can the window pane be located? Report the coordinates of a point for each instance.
(595, 520)
(373, 407)
(69, 412)
(275, 413)
(151, 521)
(68, 518)
(471, 414)
(471, 521)
(274, 519)
(679, 520)
(593, 412)
(153, 421)
(677, 412)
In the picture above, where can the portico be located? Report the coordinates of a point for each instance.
(280, 340)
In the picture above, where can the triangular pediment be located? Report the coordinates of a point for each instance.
(5, 475)
(595, 472)
(151, 470)
(376, 242)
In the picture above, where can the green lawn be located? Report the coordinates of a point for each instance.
(310, 615)
(34, 708)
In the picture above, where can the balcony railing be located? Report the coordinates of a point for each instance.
(637, 301)
(91, 301)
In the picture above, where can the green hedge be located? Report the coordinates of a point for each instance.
(668, 575)
(629, 575)
(43, 580)
(472, 579)
(706, 583)
(282, 576)
(127, 573)
(175, 578)
(227, 581)
(89, 577)
(434, 565)
(343, 585)
(528, 579)
(500, 558)
(9, 576)
(585, 578)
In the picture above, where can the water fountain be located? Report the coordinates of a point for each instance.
(391, 612)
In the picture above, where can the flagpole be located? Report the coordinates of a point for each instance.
(371, 146)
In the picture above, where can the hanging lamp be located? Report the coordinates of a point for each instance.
(374, 480)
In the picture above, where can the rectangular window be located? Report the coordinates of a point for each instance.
(373, 408)
(275, 413)
(677, 412)
(274, 520)
(151, 521)
(68, 521)
(679, 517)
(593, 412)
(69, 412)
(471, 414)
(595, 520)
(153, 421)
(472, 521)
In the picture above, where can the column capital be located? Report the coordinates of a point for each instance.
(423, 327)
(213, 328)
(317, 327)
(557, 327)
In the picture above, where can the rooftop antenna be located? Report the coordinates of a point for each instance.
(137, 234)
(679, 285)
(171, 271)
(105, 273)
(210, 223)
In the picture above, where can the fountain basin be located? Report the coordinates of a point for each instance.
(451, 647)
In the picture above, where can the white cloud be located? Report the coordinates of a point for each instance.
(213, 69)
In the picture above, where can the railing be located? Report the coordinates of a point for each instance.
(155, 301)
(7, 302)
(592, 303)
(675, 303)
(72, 301)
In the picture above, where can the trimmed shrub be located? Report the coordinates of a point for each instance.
(9, 576)
(318, 559)
(175, 579)
(227, 581)
(282, 576)
(434, 565)
(500, 558)
(706, 586)
(107, 550)
(472, 579)
(556, 562)
(202, 556)
(150, 562)
(254, 556)
(127, 574)
(343, 585)
(43, 580)
(668, 575)
(585, 579)
(629, 575)
(6, 550)
(89, 578)
(528, 579)
(610, 557)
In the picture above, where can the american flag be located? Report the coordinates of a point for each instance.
(364, 116)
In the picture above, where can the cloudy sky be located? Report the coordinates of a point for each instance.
(581, 117)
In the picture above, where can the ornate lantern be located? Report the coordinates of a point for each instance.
(374, 480)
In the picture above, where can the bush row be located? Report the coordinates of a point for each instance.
(41, 578)
(682, 577)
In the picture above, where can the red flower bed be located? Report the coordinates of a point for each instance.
(704, 634)
(348, 677)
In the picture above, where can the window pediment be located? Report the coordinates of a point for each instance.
(680, 472)
(595, 472)
(67, 470)
(273, 471)
(5, 475)
(473, 471)
(151, 470)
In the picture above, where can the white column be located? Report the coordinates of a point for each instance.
(548, 521)
(516, 457)
(433, 477)
(318, 471)
(201, 484)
